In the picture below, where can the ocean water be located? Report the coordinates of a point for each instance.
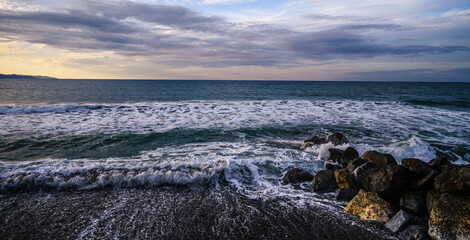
(77, 135)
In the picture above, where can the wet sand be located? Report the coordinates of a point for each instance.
(174, 213)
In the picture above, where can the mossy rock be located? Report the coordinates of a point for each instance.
(456, 179)
(348, 155)
(375, 157)
(324, 181)
(450, 218)
(344, 179)
(297, 175)
(417, 167)
(369, 205)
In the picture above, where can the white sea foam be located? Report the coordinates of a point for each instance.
(244, 166)
(252, 167)
(322, 149)
(394, 119)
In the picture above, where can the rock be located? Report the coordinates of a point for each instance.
(324, 181)
(417, 167)
(390, 159)
(348, 155)
(316, 140)
(456, 179)
(375, 157)
(414, 202)
(297, 175)
(369, 205)
(415, 232)
(345, 194)
(438, 163)
(450, 218)
(391, 182)
(355, 163)
(335, 154)
(431, 198)
(363, 175)
(398, 222)
(427, 182)
(344, 179)
(337, 139)
(330, 165)
(306, 145)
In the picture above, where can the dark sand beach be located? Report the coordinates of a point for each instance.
(169, 213)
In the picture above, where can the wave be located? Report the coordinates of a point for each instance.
(248, 145)
(464, 104)
(241, 165)
(254, 169)
(89, 175)
(412, 147)
(98, 145)
(37, 121)
(13, 109)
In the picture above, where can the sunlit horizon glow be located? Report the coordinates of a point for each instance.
(237, 39)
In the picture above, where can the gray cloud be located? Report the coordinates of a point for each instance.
(321, 17)
(354, 23)
(386, 27)
(173, 16)
(335, 43)
(138, 29)
(325, 17)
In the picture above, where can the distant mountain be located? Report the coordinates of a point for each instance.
(16, 76)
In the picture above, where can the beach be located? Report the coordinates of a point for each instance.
(174, 213)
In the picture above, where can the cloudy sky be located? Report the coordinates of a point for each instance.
(388, 40)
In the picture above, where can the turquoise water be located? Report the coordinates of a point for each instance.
(91, 134)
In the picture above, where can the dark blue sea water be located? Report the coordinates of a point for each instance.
(94, 134)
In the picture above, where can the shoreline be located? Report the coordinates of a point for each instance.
(169, 213)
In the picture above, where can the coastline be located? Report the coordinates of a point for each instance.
(169, 213)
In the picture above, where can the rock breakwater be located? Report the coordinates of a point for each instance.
(420, 200)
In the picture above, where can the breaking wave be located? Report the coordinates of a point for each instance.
(248, 145)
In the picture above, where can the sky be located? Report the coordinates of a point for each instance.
(347, 40)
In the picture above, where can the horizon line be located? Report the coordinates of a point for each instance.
(235, 80)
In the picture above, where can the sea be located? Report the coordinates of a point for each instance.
(82, 136)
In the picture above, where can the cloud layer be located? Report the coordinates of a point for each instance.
(178, 36)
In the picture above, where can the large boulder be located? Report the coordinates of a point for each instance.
(415, 232)
(337, 139)
(335, 154)
(306, 145)
(398, 221)
(450, 218)
(344, 179)
(369, 205)
(390, 159)
(324, 181)
(439, 163)
(417, 167)
(297, 175)
(363, 174)
(414, 202)
(456, 179)
(316, 140)
(391, 182)
(348, 155)
(355, 163)
(378, 158)
(345, 194)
